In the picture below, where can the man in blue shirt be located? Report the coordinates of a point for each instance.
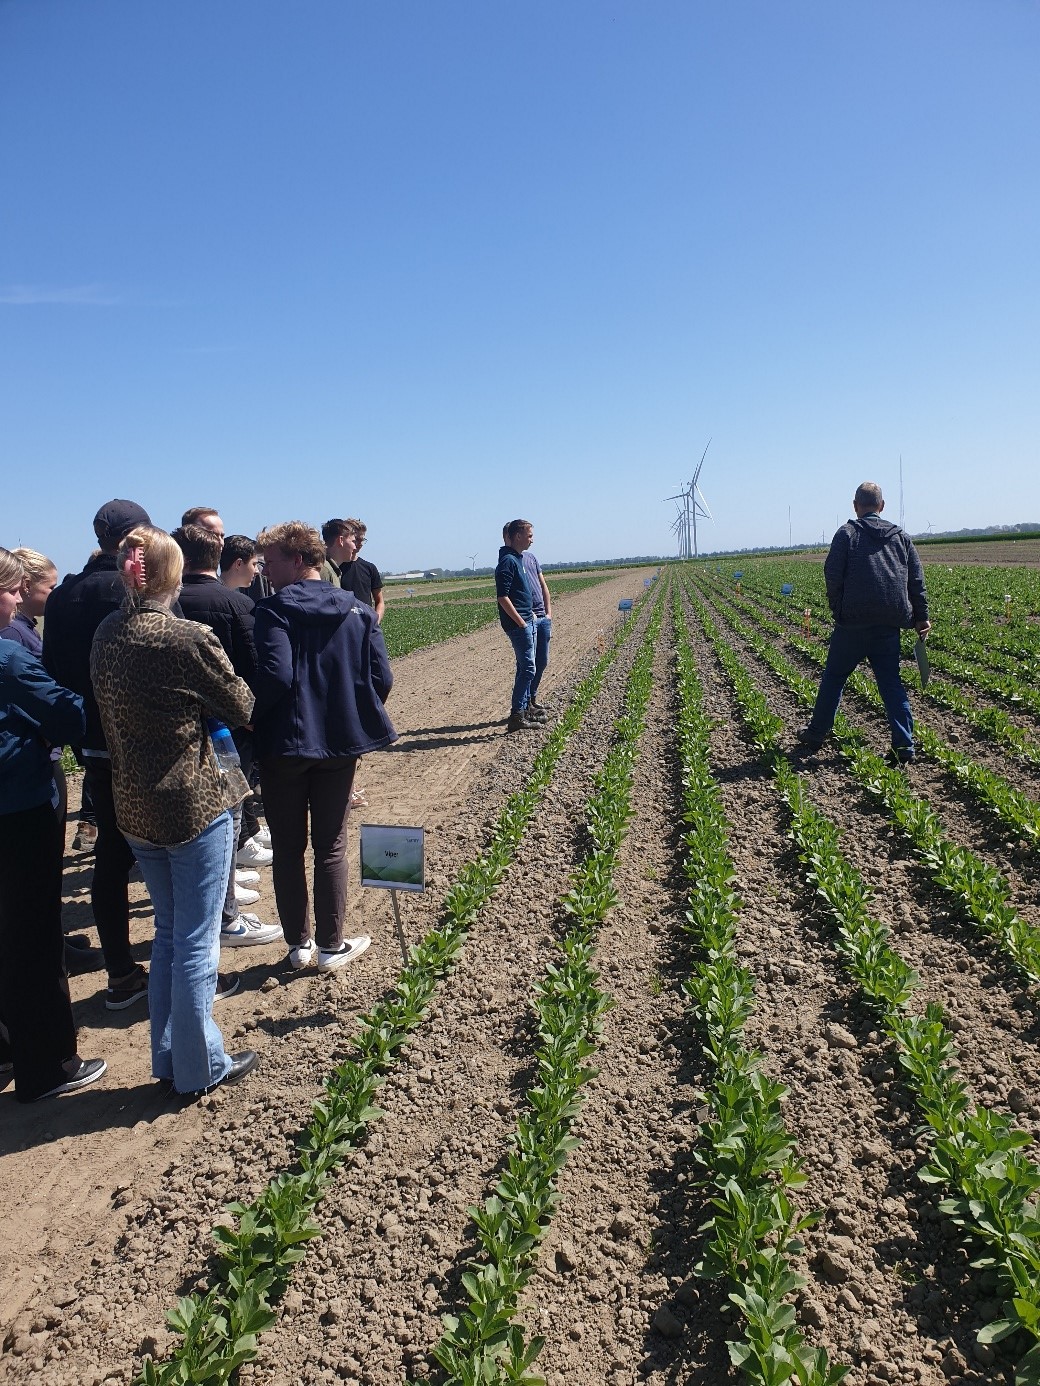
(516, 612)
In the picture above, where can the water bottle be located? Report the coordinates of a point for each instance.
(223, 746)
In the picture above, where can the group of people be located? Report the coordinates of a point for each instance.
(181, 673)
(188, 669)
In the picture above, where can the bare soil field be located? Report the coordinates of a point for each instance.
(111, 1194)
(75, 1170)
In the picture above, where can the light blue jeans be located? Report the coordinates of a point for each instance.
(187, 885)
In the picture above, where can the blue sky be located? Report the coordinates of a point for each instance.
(439, 264)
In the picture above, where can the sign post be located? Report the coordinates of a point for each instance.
(393, 858)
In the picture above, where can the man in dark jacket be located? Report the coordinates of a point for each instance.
(516, 613)
(875, 589)
(74, 611)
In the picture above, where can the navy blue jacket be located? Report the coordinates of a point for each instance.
(511, 581)
(23, 629)
(874, 576)
(323, 675)
(35, 713)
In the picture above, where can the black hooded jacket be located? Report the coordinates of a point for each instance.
(874, 576)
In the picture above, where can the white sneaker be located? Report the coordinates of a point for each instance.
(247, 931)
(246, 877)
(245, 896)
(262, 836)
(348, 950)
(251, 853)
(301, 955)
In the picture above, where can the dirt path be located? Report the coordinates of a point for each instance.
(86, 1175)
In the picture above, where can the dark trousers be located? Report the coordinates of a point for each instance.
(250, 825)
(113, 860)
(849, 647)
(294, 787)
(35, 1009)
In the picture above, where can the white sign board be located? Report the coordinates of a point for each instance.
(392, 857)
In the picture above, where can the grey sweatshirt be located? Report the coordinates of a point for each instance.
(874, 575)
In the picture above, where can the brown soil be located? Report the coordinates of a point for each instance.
(75, 1170)
(111, 1194)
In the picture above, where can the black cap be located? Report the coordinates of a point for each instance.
(117, 518)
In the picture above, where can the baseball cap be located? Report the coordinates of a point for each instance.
(117, 518)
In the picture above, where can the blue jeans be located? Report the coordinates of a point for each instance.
(542, 635)
(522, 640)
(229, 910)
(187, 885)
(849, 646)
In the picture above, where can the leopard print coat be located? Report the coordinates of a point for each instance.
(156, 679)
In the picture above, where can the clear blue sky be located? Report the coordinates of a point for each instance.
(441, 263)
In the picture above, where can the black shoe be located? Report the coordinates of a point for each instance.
(81, 1073)
(518, 722)
(79, 960)
(241, 1064)
(534, 713)
(812, 741)
(227, 984)
(902, 755)
(128, 992)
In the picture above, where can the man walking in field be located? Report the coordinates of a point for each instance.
(516, 612)
(875, 589)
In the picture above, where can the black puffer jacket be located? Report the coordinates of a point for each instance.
(874, 576)
(73, 613)
(229, 615)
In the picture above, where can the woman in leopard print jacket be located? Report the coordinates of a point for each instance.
(157, 679)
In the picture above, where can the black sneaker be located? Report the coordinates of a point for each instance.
(81, 1073)
(227, 984)
(812, 741)
(134, 988)
(902, 755)
(518, 722)
(534, 713)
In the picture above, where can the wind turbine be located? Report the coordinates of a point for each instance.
(472, 562)
(695, 495)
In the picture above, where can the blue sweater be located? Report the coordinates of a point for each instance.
(35, 712)
(323, 675)
(511, 581)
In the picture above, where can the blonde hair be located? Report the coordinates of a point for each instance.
(163, 563)
(294, 537)
(37, 565)
(12, 571)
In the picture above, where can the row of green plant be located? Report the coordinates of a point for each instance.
(979, 891)
(991, 722)
(483, 590)
(257, 1253)
(969, 640)
(439, 617)
(976, 1155)
(1014, 809)
(484, 1345)
(751, 1161)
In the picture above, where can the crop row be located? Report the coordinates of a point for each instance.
(991, 722)
(484, 1346)
(751, 1161)
(256, 1254)
(979, 891)
(975, 1154)
(972, 649)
